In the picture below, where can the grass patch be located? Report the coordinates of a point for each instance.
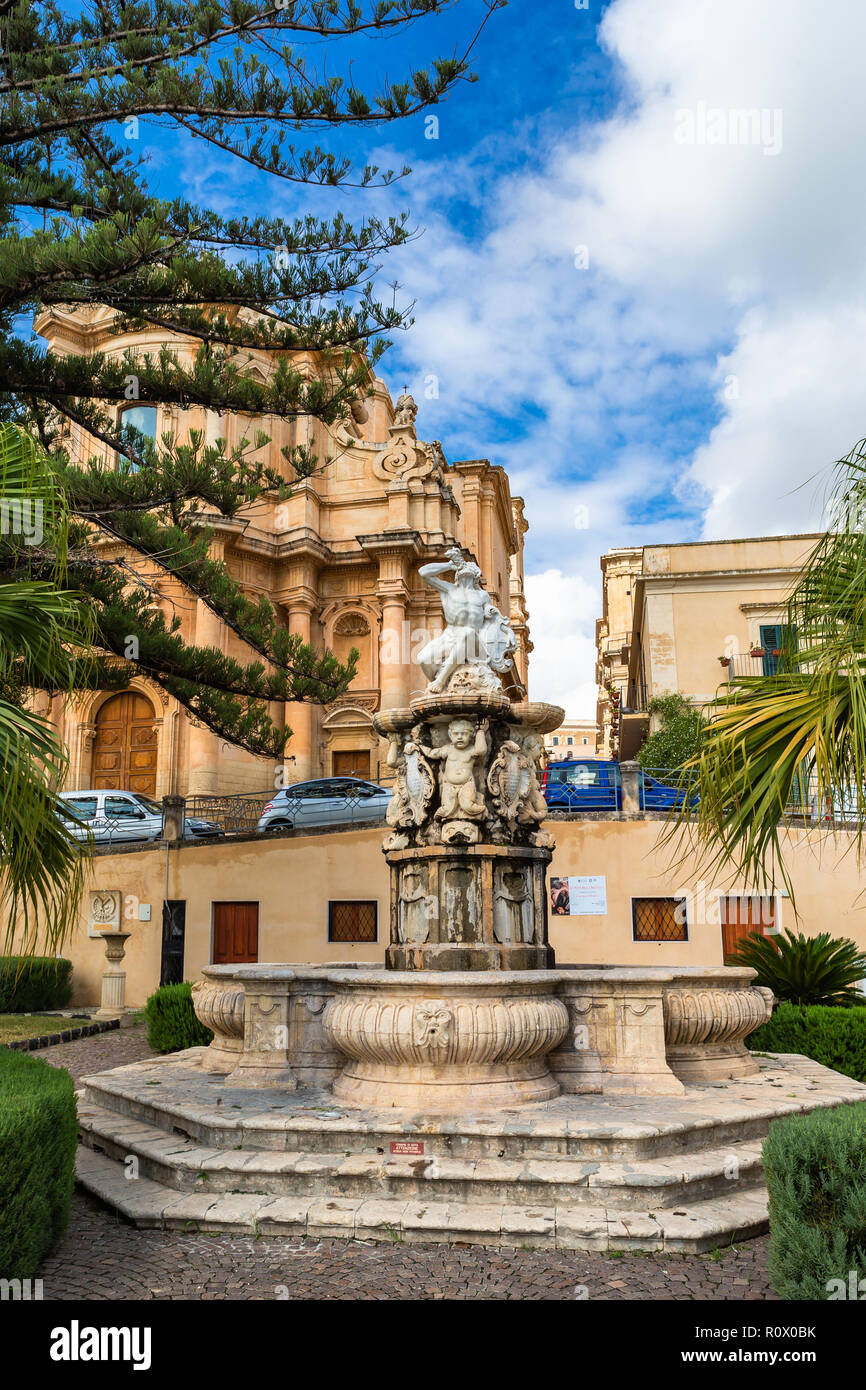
(13, 1027)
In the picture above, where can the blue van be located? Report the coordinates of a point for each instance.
(594, 784)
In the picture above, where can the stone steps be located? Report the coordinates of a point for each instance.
(621, 1134)
(693, 1227)
(180, 1164)
(578, 1172)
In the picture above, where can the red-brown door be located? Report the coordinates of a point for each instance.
(351, 763)
(743, 915)
(125, 746)
(235, 933)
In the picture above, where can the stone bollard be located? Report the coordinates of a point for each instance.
(630, 778)
(173, 815)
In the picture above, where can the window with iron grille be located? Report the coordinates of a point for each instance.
(353, 921)
(659, 919)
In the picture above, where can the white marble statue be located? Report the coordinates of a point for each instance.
(476, 635)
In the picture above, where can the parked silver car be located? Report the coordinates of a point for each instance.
(112, 816)
(326, 801)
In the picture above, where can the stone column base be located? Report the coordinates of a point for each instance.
(458, 1089)
(469, 907)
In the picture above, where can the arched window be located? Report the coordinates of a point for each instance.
(143, 419)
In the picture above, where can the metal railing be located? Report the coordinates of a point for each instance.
(764, 661)
(744, 664)
(315, 808)
(634, 698)
(662, 788)
(236, 814)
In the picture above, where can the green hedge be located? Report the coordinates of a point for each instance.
(34, 985)
(171, 1021)
(815, 1167)
(38, 1135)
(833, 1036)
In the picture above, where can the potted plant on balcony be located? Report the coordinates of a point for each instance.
(757, 651)
(724, 661)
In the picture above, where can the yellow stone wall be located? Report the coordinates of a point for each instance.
(669, 612)
(293, 879)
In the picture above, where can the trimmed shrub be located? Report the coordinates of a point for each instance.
(38, 1136)
(34, 985)
(171, 1021)
(835, 1037)
(815, 1167)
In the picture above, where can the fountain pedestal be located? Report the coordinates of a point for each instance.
(465, 1013)
(475, 907)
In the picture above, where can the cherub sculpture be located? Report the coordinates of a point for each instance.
(467, 746)
(413, 786)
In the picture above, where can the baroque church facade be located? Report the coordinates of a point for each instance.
(339, 562)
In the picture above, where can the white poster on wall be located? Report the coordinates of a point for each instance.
(581, 895)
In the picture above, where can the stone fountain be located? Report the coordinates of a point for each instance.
(470, 1090)
(470, 1012)
(464, 1015)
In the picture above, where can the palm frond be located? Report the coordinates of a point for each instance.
(45, 632)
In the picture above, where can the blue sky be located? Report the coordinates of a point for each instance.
(659, 335)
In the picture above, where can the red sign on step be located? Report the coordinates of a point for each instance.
(407, 1146)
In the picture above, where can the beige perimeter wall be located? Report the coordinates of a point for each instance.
(293, 878)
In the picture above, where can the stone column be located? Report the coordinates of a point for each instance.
(203, 760)
(300, 714)
(395, 554)
(393, 659)
(630, 774)
(173, 808)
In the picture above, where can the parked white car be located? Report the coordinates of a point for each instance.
(326, 801)
(113, 816)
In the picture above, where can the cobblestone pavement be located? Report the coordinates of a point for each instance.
(102, 1257)
(99, 1053)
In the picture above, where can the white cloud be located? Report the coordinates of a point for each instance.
(563, 662)
(711, 266)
